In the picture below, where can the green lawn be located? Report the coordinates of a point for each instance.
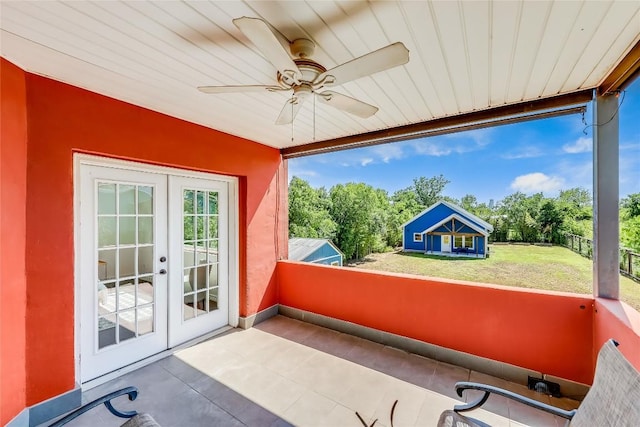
(539, 267)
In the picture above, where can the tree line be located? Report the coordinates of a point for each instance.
(361, 219)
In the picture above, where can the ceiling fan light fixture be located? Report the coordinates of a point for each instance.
(305, 77)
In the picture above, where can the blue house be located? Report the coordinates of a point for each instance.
(318, 251)
(446, 229)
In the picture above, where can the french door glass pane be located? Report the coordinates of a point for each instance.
(127, 230)
(145, 199)
(107, 231)
(145, 229)
(125, 243)
(106, 199)
(200, 252)
(127, 196)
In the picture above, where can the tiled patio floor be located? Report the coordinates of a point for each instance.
(286, 372)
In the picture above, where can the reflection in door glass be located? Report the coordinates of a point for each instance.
(200, 252)
(125, 296)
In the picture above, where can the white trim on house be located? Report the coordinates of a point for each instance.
(456, 208)
(459, 218)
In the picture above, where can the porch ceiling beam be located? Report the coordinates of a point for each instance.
(572, 103)
(624, 73)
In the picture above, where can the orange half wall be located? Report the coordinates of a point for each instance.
(617, 320)
(547, 332)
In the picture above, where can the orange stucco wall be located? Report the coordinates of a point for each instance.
(617, 320)
(62, 120)
(13, 195)
(543, 331)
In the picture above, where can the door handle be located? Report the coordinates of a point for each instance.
(163, 271)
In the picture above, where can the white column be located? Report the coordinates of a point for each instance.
(606, 235)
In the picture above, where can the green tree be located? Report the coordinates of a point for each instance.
(631, 205)
(309, 211)
(521, 213)
(550, 220)
(402, 207)
(469, 202)
(359, 212)
(429, 190)
(575, 205)
(630, 233)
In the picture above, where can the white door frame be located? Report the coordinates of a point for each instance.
(234, 263)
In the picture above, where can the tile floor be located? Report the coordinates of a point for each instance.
(286, 372)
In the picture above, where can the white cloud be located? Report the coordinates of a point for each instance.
(480, 137)
(302, 172)
(429, 148)
(454, 143)
(388, 152)
(523, 153)
(581, 145)
(366, 161)
(537, 182)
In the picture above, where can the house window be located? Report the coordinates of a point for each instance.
(417, 237)
(463, 242)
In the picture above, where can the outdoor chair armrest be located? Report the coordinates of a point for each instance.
(488, 390)
(106, 399)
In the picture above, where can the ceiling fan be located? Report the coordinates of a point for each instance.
(305, 77)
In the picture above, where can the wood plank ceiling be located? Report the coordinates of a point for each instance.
(465, 56)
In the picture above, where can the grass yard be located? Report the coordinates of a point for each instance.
(540, 267)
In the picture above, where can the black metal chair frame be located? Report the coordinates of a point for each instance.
(132, 392)
(488, 390)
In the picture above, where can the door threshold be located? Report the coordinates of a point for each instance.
(151, 359)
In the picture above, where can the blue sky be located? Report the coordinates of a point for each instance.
(538, 156)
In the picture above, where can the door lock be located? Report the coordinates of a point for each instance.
(163, 259)
(163, 271)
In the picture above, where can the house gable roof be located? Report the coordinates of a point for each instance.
(488, 227)
(460, 218)
(302, 247)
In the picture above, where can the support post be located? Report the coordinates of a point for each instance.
(606, 239)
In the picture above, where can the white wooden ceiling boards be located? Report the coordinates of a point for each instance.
(464, 56)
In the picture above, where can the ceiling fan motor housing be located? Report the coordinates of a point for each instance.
(310, 71)
(302, 48)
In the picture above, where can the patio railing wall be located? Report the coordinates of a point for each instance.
(629, 260)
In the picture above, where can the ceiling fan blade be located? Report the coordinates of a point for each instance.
(241, 88)
(371, 63)
(290, 110)
(348, 104)
(266, 41)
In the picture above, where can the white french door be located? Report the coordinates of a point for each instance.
(199, 236)
(153, 262)
(123, 241)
